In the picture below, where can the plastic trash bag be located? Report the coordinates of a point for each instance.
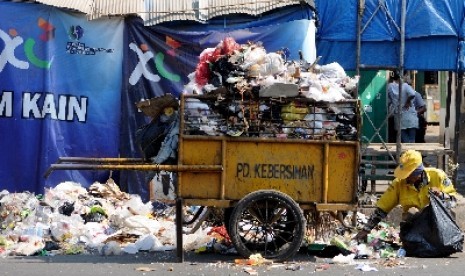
(67, 208)
(432, 232)
(273, 64)
(164, 186)
(332, 70)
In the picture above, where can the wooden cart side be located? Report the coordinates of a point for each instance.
(321, 175)
(332, 184)
(311, 172)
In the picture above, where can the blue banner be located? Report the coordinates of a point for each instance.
(68, 86)
(60, 87)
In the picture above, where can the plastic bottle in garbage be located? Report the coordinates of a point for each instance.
(401, 253)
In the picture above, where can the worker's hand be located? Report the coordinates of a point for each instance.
(436, 191)
(440, 194)
(410, 214)
(413, 210)
(361, 235)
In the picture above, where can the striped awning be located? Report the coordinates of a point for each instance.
(157, 11)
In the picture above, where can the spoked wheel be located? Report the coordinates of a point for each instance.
(267, 222)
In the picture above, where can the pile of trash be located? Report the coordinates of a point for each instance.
(244, 91)
(334, 240)
(249, 69)
(70, 219)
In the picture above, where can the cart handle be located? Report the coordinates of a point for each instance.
(135, 167)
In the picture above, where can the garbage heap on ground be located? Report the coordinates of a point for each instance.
(382, 242)
(70, 219)
(244, 91)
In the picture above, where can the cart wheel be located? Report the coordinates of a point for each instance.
(267, 222)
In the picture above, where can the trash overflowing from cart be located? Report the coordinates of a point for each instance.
(271, 143)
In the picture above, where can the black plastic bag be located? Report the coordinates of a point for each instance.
(332, 251)
(149, 137)
(432, 232)
(66, 209)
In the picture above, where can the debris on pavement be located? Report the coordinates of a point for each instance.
(391, 262)
(294, 267)
(250, 271)
(253, 260)
(322, 267)
(70, 219)
(341, 259)
(365, 267)
(144, 269)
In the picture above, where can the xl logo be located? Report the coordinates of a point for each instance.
(8, 54)
(141, 68)
(13, 41)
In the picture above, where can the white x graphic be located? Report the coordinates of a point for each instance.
(8, 54)
(141, 68)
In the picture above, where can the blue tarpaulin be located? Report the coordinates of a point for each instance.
(432, 32)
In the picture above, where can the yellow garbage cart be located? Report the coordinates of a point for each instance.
(265, 171)
(267, 182)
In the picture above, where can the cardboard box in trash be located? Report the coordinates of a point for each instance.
(280, 90)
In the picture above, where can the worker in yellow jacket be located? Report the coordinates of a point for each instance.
(410, 189)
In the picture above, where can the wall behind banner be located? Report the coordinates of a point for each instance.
(60, 83)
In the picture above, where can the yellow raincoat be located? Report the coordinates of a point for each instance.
(406, 195)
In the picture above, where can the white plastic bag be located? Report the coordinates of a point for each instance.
(273, 65)
(332, 70)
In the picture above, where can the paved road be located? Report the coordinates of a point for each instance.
(164, 263)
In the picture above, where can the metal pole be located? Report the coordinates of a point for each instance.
(135, 167)
(179, 241)
(360, 10)
(99, 160)
(458, 103)
(179, 201)
(401, 73)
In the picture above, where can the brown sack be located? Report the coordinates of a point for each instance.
(154, 107)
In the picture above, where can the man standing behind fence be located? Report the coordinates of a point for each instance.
(420, 107)
(409, 118)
